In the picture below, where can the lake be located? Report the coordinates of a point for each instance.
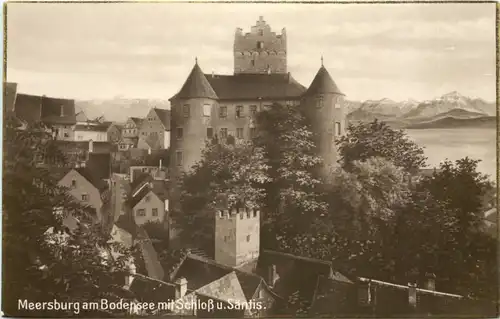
(453, 144)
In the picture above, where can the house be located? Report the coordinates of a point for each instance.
(148, 201)
(89, 185)
(126, 143)
(155, 128)
(293, 285)
(114, 132)
(59, 114)
(91, 132)
(158, 172)
(131, 127)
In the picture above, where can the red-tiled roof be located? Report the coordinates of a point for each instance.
(323, 83)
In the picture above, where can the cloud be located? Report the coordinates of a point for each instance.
(136, 46)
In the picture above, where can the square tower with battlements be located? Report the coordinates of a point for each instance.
(237, 236)
(260, 51)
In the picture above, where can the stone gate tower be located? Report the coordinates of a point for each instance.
(261, 51)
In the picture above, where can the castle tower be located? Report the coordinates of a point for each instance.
(324, 107)
(237, 236)
(191, 112)
(261, 51)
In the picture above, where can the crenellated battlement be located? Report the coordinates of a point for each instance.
(260, 51)
(241, 213)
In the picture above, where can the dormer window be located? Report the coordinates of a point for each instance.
(260, 45)
(62, 110)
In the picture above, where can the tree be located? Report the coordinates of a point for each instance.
(42, 259)
(439, 231)
(293, 194)
(377, 139)
(227, 176)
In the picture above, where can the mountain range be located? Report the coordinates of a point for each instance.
(118, 109)
(451, 110)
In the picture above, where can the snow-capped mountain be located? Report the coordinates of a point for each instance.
(451, 106)
(119, 108)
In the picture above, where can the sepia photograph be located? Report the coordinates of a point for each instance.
(250, 160)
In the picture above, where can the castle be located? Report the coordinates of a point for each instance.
(226, 105)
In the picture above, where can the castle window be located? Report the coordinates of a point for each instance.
(141, 212)
(185, 110)
(223, 132)
(210, 132)
(85, 197)
(248, 238)
(253, 110)
(223, 111)
(261, 32)
(207, 109)
(178, 158)
(73, 183)
(260, 45)
(241, 215)
(337, 105)
(146, 199)
(254, 213)
(319, 102)
(239, 132)
(253, 62)
(155, 212)
(239, 111)
(338, 130)
(180, 133)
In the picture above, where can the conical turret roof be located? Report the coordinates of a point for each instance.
(323, 83)
(196, 86)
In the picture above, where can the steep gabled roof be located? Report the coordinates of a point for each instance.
(89, 176)
(164, 116)
(323, 83)
(200, 272)
(28, 108)
(137, 121)
(196, 86)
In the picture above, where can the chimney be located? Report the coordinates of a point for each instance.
(91, 146)
(365, 294)
(180, 287)
(272, 275)
(412, 295)
(430, 281)
(213, 74)
(130, 277)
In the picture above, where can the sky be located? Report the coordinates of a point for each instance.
(146, 50)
